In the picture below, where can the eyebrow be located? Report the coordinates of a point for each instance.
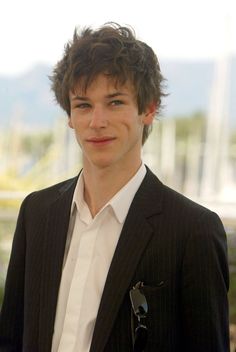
(109, 96)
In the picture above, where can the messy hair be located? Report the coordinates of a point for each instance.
(114, 51)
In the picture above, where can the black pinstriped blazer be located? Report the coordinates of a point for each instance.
(166, 237)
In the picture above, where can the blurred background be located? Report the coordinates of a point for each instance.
(193, 144)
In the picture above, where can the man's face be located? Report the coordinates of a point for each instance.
(107, 124)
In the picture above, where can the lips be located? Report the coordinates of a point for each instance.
(100, 140)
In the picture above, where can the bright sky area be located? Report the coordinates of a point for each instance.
(34, 32)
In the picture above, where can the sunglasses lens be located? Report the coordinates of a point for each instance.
(140, 309)
(140, 338)
(139, 303)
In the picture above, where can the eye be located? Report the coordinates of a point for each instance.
(116, 102)
(82, 106)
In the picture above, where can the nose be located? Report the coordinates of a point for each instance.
(98, 118)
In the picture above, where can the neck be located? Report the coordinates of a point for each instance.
(101, 184)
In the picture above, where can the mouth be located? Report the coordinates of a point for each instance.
(100, 140)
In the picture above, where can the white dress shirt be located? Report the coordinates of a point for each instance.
(91, 249)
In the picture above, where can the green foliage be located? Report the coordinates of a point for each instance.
(233, 138)
(186, 126)
(232, 267)
(36, 144)
(6, 234)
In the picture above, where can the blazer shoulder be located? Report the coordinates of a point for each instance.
(183, 202)
(174, 203)
(43, 198)
(181, 209)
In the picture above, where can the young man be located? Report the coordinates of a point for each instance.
(113, 260)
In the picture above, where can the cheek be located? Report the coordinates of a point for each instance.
(77, 123)
(132, 123)
(131, 120)
(78, 137)
(70, 124)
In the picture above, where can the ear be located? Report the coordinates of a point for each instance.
(149, 114)
(70, 122)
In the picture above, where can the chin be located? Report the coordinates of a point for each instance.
(102, 165)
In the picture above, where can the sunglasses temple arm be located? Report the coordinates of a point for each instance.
(132, 325)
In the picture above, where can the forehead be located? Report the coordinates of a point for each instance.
(103, 83)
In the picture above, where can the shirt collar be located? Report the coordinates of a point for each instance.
(78, 197)
(120, 202)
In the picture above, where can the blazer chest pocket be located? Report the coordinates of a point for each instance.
(160, 313)
(158, 300)
(151, 288)
(156, 296)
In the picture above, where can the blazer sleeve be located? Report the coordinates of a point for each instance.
(205, 282)
(11, 316)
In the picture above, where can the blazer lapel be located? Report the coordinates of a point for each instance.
(134, 238)
(54, 245)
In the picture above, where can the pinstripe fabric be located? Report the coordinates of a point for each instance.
(166, 237)
(34, 270)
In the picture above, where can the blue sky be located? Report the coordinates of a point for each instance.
(35, 31)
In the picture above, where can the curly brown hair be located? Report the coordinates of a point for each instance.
(115, 51)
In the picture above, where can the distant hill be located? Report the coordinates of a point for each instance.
(28, 97)
(190, 86)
